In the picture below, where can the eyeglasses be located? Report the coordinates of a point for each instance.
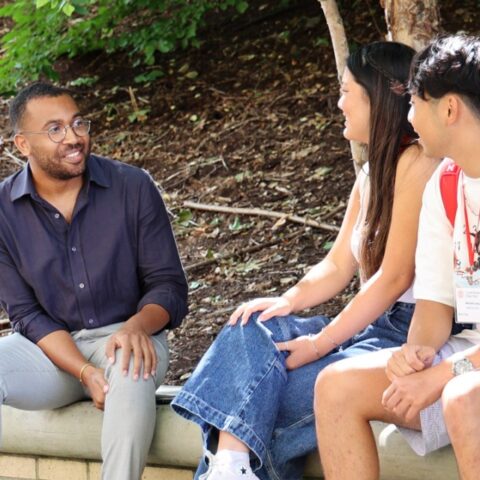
(57, 133)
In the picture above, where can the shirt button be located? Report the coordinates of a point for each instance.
(81, 285)
(57, 215)
(90, 321)
(74, 249)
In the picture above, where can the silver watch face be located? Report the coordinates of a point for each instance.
(463, 365)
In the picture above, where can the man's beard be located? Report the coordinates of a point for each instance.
(54, 168)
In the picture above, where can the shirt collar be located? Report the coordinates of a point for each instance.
(96, 172)
(23, 183)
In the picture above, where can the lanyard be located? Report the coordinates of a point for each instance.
(467, 228)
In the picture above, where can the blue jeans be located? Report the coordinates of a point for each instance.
(241, 386)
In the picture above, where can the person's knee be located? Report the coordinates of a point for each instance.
(332, 388)
(460, 400)
(120, 378)
(254, 330)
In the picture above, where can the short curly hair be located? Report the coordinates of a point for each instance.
(36, 90)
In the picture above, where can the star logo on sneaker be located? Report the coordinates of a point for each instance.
(244, 471)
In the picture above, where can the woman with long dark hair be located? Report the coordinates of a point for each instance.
(252, 392)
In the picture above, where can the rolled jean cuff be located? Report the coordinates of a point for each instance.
(195, 409)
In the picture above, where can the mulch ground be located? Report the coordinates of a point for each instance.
(249, 120)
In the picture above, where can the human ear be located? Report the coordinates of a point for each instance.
(22, 144)
(452, 109)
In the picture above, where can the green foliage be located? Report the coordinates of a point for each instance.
(84, 81)
(149, 76)
(139, 115)
(45, 30)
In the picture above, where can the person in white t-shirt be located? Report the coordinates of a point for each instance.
(430, 387)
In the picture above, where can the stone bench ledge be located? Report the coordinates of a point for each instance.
(73, 432)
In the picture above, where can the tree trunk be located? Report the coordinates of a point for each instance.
(411, 22)
(340, 50)
(337, 34)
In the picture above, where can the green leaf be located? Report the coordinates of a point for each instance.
(184, 217)
(68, 10)
(149, 76)
(81, 10)
(194, 285)
(237, 225)
(321, 42)
(327, 246)
(165, 46)
(84, 81)
(139, 115)
(242, 6)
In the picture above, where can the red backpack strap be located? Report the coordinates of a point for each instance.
(448, 187)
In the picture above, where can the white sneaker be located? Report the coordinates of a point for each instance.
(220, 470)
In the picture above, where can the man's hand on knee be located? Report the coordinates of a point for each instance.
(133, 340)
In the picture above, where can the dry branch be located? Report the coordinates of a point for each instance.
(262, 213)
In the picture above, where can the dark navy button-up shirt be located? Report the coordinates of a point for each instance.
(117, 255)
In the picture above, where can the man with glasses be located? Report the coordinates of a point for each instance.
(90, 277)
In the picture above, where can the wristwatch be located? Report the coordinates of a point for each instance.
(462, 365)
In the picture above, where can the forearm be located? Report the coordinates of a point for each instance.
(60, 348)
(431, 324)
(374, 298)
(321, 283)
(151, 319)
(442, 373)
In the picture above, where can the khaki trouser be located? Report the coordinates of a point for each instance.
(30, 381)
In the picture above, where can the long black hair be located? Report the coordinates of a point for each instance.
(382, 69)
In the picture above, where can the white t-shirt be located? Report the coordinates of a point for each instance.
(356, 238)
(434, 259)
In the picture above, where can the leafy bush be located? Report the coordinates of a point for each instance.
(45, 30)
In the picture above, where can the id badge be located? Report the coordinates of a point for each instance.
(467, 304)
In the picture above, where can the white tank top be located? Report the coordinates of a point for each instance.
(355, 240)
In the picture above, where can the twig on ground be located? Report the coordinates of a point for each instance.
(262, 213)
(133, 99)
(235, 126)
(340, 207)
(220, 311)
(15, 159)
(252, 249)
